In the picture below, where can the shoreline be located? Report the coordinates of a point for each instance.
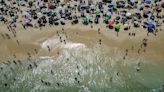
(29, 40)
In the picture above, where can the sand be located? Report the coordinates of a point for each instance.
(31, 39)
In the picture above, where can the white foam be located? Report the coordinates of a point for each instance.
(74, 46)
(54, 42)
(50, 42)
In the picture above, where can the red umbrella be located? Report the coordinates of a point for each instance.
(49, 5)
(111, 22)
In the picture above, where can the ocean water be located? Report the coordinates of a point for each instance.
(83, 70)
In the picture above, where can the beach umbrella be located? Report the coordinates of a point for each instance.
(97, 11)
(150, 21)
(151, 26)
(106, 18)
(1, 17)
(85, 19)
(39, 14)
(146, 12)
(126, 25)
(111, 22)
(146, 8)
(145, 22)
(133, 1)
(110, 6)
(117, 18)
(128, 14)
(62, 20)
(136, 22)
(49, 5)
(117, 26)
(148, 1)
(158, 3)
(92, 6)
(108, 14)
(26, 14)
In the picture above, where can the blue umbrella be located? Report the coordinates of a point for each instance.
(133, 1)
(158, 3)
(146, 12)
(62, 20)
(110, 5)
(151, 26)
(1, 17)
(148, 1)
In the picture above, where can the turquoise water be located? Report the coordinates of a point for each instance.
(86, 71)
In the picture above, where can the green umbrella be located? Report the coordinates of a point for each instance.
(97, 12)
(88, 17)
(85, 19)
(117, 26)
(106, 18)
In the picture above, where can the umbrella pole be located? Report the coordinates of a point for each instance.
(117, 34)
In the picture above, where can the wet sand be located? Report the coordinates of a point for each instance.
(31, 38)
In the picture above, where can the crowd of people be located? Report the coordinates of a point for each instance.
(114, 14)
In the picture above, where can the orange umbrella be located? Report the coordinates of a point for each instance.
(146, 9)
(158, 7)
(126, 25)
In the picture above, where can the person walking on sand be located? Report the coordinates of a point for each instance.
(18, 43)
(98, 30)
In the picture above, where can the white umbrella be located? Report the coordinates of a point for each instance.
(108, 13)
(128, 14)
